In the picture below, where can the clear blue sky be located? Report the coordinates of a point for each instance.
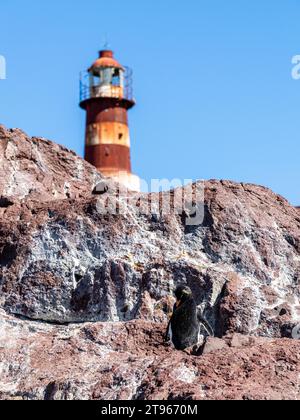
(212, 78)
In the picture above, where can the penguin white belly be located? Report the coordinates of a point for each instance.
(170, 333)
(200, 339)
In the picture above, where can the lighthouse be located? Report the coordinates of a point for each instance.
(106, 95)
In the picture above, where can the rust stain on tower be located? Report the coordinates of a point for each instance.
(106, 95)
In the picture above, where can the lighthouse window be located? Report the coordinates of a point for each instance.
(120, 136)
(116, 73)
(116, 77)
(96, 80)
(106, 76)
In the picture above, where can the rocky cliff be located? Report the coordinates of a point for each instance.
(86, 294)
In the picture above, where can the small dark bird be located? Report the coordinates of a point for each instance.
(101, 188)
(184, 327)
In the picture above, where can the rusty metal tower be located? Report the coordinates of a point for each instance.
(106, 95)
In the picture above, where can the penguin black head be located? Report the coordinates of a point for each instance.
(182, 294)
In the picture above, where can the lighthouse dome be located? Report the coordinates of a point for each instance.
(106, 59)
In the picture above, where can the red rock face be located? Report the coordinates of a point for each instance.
(38, 169)
(129, 361)
(63, 262)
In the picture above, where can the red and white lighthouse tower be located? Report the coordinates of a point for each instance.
(106, 95)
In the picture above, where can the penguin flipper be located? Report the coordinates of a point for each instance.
(205, 324)
(168, 333)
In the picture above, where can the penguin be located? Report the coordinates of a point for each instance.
(185, 324)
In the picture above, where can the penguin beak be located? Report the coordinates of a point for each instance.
(178, 303)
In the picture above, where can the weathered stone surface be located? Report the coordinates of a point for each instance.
(214, 344)
(130, 361)
(41, 170)
(61, 261)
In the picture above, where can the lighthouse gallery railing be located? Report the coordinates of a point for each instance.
(109, 91)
